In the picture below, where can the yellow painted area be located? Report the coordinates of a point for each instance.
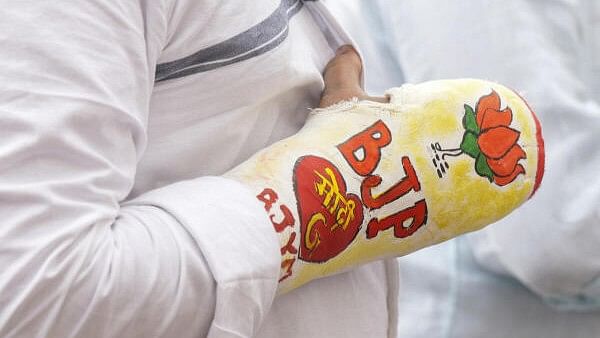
(459, 202)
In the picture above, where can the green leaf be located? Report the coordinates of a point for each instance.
(469, 121)
(469, 145)
(482, 168)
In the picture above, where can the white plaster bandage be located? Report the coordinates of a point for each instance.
(365, 180)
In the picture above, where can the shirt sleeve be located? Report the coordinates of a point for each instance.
(552, 243)
(76, 260)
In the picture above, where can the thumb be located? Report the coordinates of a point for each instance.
(344, 70)
(342, 77)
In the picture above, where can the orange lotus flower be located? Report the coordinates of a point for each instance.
(491, 141)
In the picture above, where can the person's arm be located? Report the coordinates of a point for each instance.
(365, 180)
(189, 259)
(74, 94)
(552, 245)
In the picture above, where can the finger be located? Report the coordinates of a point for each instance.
(342, 78)
(380, 99)
(344, 70)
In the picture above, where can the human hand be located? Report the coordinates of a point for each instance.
(342, 77)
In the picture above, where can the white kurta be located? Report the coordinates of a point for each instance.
(113, 117)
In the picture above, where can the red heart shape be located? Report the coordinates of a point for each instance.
(330, 218)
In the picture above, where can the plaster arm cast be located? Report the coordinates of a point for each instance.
(367, 180)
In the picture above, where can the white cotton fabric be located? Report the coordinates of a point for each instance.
(114, 220)
(536, 273)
